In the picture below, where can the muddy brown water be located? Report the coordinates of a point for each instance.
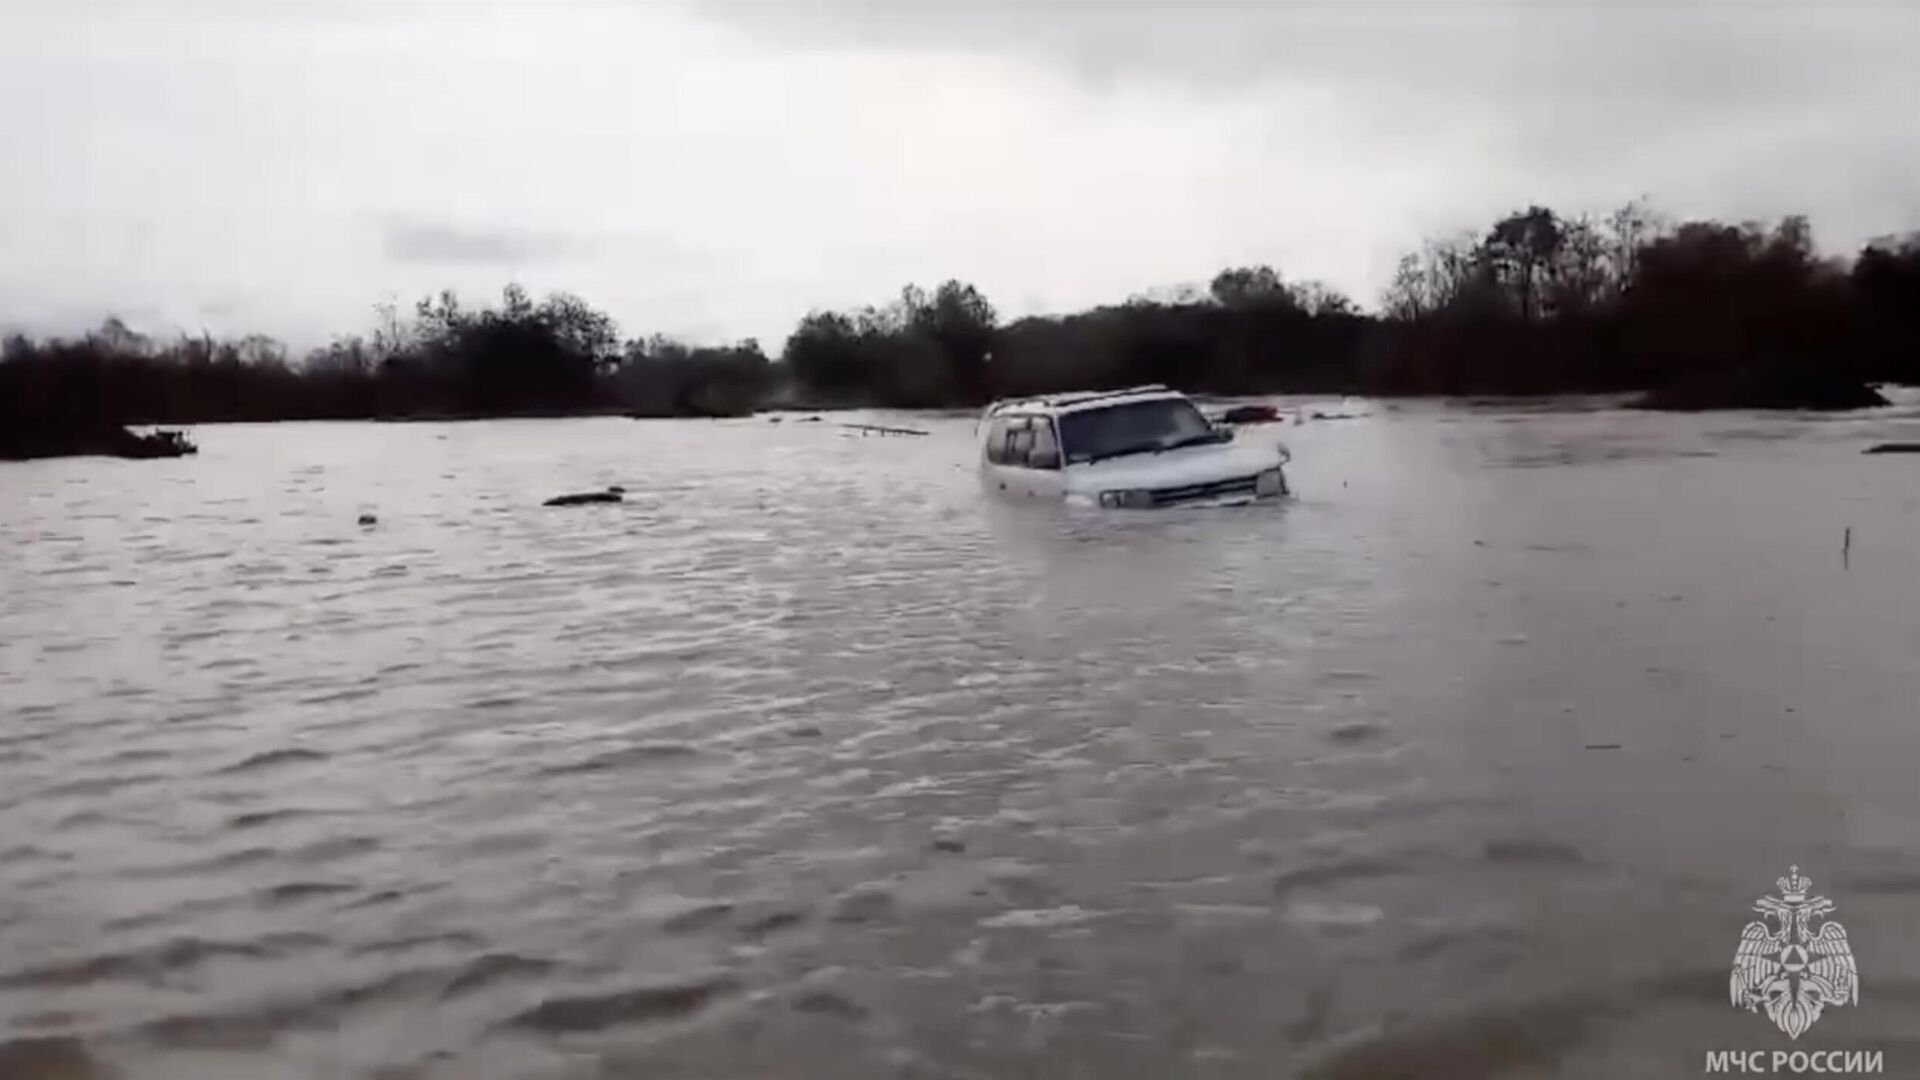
(808, 761)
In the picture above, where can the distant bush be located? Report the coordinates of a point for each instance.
(922, 350)
(663, 377)
(556, 356)
(1545, 304)
(1885, 280)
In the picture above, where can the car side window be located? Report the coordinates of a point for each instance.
(1045, 451)
(997, 441)
(1019, 441)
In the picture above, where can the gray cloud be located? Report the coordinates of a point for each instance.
(1571, 97)
(723, 165)
(409, 241)
(1689, 55)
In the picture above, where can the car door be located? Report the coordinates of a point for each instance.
(1024, 457)
(1019, 478)
(1042, 475)
(1003, 472)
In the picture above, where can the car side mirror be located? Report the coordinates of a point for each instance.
(1043, 459)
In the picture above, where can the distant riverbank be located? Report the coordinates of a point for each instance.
(1690, 316)
(22, 443)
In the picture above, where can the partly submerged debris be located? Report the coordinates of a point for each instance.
(102, 441)
(1811, 390)
(613, 494)
(160, 444)
(1250, 414)
(1894, 448)
(877, 429)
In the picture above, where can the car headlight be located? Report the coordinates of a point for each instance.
(1130, 498)
(1269, 483)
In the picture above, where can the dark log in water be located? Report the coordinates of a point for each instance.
(1818, 391)
(611, 495)
(108, 441)
(1893, 448)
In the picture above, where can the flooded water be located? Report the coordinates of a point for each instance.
(809, 762)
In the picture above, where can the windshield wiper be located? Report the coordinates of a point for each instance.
(1143, 448)
(1196, 440)
(1160, 447)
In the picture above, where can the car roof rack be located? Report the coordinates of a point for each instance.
(1075, 397)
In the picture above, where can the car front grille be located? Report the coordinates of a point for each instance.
(1218, 489)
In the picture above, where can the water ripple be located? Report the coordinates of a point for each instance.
(809, 762)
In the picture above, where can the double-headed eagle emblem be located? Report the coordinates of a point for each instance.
(1796, 970)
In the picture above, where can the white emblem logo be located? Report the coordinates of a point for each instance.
(1798, 970)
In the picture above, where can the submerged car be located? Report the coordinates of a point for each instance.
(1138, 448)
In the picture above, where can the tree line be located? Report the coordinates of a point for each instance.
(1691, 314)
(441, 359)
(1695, 312)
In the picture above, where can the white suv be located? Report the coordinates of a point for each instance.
(1144, 447)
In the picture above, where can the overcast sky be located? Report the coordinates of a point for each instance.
(714, 168)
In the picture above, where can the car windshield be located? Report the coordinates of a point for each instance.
(1137, 427)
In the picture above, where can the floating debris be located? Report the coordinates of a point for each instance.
(1250, 414)
(878, 429)
(1894, 448)
(611, 495)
